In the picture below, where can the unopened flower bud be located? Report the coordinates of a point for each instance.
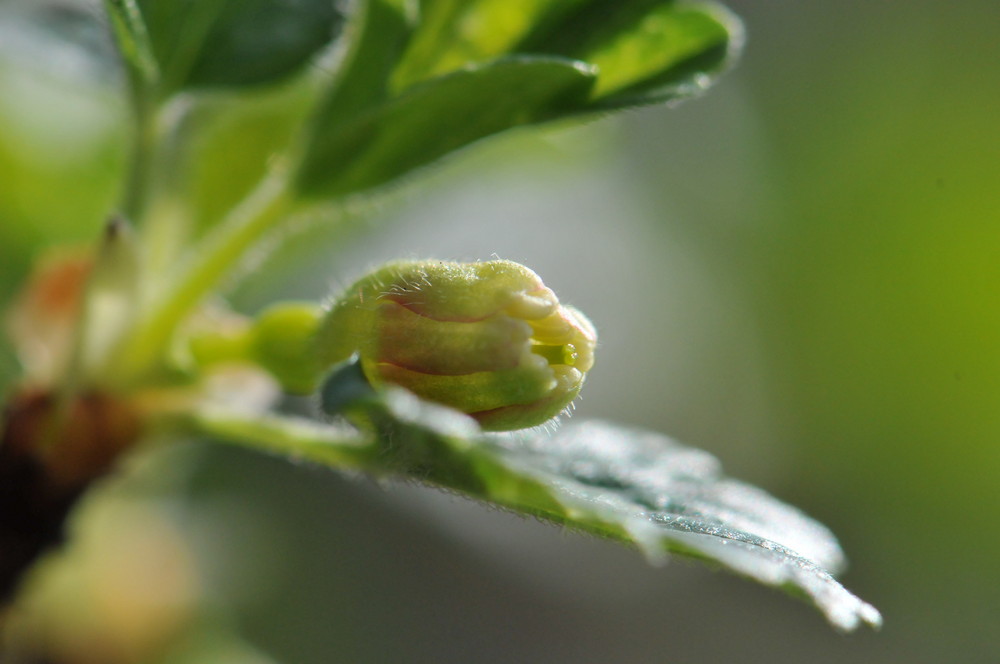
(488, 338)
(281, 342)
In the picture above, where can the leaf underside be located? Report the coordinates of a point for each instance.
(439, 117)
(626, 484)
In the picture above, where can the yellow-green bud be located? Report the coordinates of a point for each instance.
(281, 341)
(488, 338)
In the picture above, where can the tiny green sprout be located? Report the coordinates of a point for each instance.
(281, 341)
(487, 338)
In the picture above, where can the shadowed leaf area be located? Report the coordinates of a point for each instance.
(627, 484)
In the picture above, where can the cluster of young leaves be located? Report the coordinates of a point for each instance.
(415, 81)
(402, 85)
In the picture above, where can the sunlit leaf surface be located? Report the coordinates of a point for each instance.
(412, 92)
(438, 117)
(646, 51)
(456, 33)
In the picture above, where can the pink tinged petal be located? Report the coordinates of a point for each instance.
(458, 291)
(423, 344)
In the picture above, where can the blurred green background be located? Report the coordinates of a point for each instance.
(799, 272)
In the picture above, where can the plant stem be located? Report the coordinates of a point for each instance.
(142, 72)
(138, 181)
(208, 264)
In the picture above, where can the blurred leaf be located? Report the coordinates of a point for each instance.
(438, 117)
(9, 367)
(225, 145)
(381, 30)
(219, 43)
(80, 40)
(646, 51)
(291, 437)
(458, 82)
(133, 41)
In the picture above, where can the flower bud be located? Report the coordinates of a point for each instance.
(488, 339)
(281, 341)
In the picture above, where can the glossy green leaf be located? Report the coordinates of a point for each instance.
(646, 51)
(9, 367)
(222, 43)
(228, 142)
(456, 33)
(436, 118)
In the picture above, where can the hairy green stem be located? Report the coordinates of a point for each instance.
(142, 72)
(140, 172)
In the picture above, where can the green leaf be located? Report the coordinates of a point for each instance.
(456, 33)
(290, 437)
(435, 118)
(222, 43)
(9, 366)
(381, 29)
(627, 484)
(631, 485)
(646, 51)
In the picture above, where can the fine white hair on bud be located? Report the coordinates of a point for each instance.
(487, 338)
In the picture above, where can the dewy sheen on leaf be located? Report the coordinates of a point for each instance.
(488, 338)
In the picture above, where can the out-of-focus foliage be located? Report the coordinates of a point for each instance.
(416, 128)
(178, 44)
(839, 193)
